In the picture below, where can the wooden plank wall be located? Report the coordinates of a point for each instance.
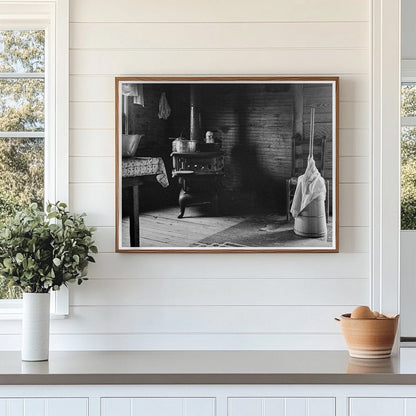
(255, 124)
(174, 301)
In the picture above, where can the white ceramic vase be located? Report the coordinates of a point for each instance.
(35, 326)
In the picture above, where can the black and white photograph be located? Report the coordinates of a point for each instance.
(227, 164)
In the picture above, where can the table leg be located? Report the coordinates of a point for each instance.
(134, 218)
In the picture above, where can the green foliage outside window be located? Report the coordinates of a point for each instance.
(21, 110)
(408, 179)
(408, 160)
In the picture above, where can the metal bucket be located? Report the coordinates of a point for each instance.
(183, 146)
(311, 222)
(129, 144)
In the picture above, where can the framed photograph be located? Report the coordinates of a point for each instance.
(227, 164)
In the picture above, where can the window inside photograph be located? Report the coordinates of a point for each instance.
(22, 124)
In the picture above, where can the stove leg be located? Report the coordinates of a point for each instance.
(183, 199)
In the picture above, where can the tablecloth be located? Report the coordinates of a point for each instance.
(142, 166)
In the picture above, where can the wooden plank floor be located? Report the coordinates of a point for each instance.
(162, 228)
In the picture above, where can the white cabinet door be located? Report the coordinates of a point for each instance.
(380, 406)
(44, 407)
(281, 406)
(160, 406)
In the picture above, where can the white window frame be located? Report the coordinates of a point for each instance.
(407, 236)
(53, 17)
(385, 151)
(408, 75)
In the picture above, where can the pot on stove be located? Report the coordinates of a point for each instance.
(181, 145)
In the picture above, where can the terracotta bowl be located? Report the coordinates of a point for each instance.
(369, 366)
(369, 338)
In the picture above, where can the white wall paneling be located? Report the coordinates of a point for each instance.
(100, 88)
(199, 320)
(220, 291)
(354, 169)
(185, 11)
(353, 142)
(219, 35)
(352, 239)
(219, 301)
(94, 143)
(92, 115)
(92, 169)
(96, 199)
(183, 341)
(354, 204)
(116, 265)
(221, 61)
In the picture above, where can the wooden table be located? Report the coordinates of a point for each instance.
(135, 172)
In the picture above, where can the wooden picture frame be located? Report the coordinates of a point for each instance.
(221, 164)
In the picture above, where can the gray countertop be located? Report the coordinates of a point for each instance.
(208, 367)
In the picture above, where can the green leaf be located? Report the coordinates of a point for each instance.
(7, 263)
(38, 253)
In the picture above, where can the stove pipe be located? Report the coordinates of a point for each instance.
(195, 133)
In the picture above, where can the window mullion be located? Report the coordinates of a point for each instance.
(408, 121)
(24, 134)
(22, 75)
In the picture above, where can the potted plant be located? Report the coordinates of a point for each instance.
(40, 252)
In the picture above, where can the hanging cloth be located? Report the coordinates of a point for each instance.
(164, 107)
(310, 185)
(135, 91)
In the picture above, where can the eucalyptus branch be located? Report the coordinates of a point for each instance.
(43, 251)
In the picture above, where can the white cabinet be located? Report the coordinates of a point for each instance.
(44, 407)
(208, 400)
(281, 406)
(382, 406)
(159, 406)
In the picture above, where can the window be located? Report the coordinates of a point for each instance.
(33, 113)
(22, 124)
(408, 154)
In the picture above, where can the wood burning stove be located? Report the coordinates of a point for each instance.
(199, 175)
(198, 166)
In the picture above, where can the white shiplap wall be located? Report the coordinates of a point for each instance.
(249, 301)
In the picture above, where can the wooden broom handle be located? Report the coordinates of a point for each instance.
(312, 132)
